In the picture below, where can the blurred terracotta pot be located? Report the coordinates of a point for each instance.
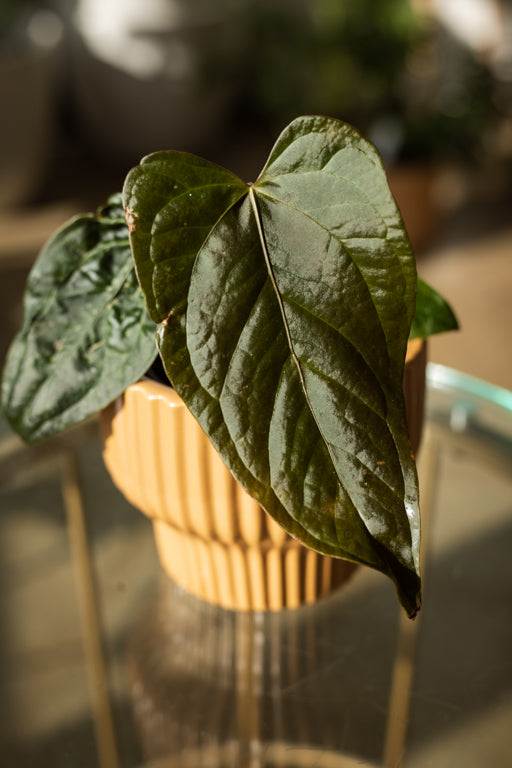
(414, 189)
(212, 537)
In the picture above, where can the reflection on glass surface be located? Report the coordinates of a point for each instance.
(475, 414)
(345, 682)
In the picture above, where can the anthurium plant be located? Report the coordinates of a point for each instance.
(281, 311)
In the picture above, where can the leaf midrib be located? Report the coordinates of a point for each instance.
(294, 356)
(275, 179)
(293, 353)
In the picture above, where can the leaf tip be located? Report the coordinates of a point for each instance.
(412, 614)
(409, 595)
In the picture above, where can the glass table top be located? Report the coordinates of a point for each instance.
(105, 664)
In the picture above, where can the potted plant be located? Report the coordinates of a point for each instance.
(283, 311)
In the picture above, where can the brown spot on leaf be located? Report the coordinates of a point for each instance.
(130, 219)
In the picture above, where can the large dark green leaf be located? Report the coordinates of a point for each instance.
(86, 333)
(283, 314)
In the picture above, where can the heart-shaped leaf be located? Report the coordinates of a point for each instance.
(283, 314)
(86, 332)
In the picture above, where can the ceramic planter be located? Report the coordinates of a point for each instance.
(212, 537)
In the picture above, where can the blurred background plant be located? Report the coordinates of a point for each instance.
(322, 56)
(400, 75)
(428, 81)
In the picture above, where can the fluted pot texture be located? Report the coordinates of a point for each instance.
(212, 538)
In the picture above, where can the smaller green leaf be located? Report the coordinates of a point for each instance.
(433, 313)
(86, 334)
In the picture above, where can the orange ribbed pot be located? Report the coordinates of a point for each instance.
(212, 537)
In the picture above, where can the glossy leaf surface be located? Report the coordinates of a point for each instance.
(283, 314)
(433, 313)
(86, 333)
